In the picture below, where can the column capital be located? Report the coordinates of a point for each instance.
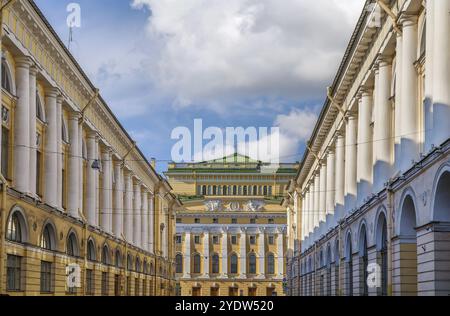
(262, 230)
(364, 91)
(74, 116)
(34, 70)
(351, 115)
(407, 19)
(52, 92)
(383, 60)
(24, 62)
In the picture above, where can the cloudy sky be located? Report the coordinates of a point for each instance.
(160, 64)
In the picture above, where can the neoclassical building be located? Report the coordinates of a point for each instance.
(371, 202)
(230, 233)
(77, 196)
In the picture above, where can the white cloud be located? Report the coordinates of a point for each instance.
(298, 124)
(216, 52)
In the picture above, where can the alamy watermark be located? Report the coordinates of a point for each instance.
(74, 16)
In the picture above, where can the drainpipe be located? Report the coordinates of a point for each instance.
(85, 228)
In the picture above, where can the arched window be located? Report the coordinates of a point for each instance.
(214, 190)
(215, 263)
(118, 259)
(179, 263)
(72, 245)
(48, 238)
(270, 264)
(16, 228)
(6, 78)
(145, 267)
(152, 268)
(255, 190)
(349, 265)
(235, 190)
(91, 251)
(39, 108)
(252, 264)
(225, 190)
(245, 190)
(265, 191)
(138, 265)
(204, 190)
(197, 263)
(106, 259)
(364, 259)
(129, 263)
(233, 264)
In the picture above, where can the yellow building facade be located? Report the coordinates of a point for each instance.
(82, 211)
(230, 233)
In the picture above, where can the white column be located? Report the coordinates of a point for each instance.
(137, 214)
(323, 192)
(243, 254)
(224, 247)
(441, 71)
(310, 212)
(128, 207)
(144, 219)
(97, 183)
(118, 200)
(280, 253)
(187, 255)
(410, 123)
(206, 255)
(350, 162)
(59, 153)
(151, 223)
(383, 134)
(22, 126)
(429, 73)
(306, 210)
(81, 170)
(398, 103)
(262, 252)
(316, 208)
(73, 172)
(364, 154)
(90, 181)
(331, 181)
(302, 210)
(51, 173)
(33, 140)
(340, 171)
(106, 208)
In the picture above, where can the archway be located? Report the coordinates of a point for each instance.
(440, 237)
(405, 247)
(382, 256)
(363, 262)
(349, 265)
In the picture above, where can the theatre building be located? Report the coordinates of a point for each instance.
(77, 197)
(230, 233)
(371, 200)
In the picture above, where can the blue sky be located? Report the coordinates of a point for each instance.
(161, 64)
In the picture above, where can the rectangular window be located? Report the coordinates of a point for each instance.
(253, 221)
(271, 240)
(179, 221)
(178, 239)
(271, 221)
(5, 152)
(144, 287)
(46, 277)
(215, 240)
(89, 282)
(197, 221)
(215, 221)
(116, 285)
(252, 240)
(14, 273)
(136, 287)
(234, 240)
(105, 284)
(234, 221)
(197, 240)
(128, 286)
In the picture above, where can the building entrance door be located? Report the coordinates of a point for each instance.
(233, 291)
(196, 291)
(252, 291)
